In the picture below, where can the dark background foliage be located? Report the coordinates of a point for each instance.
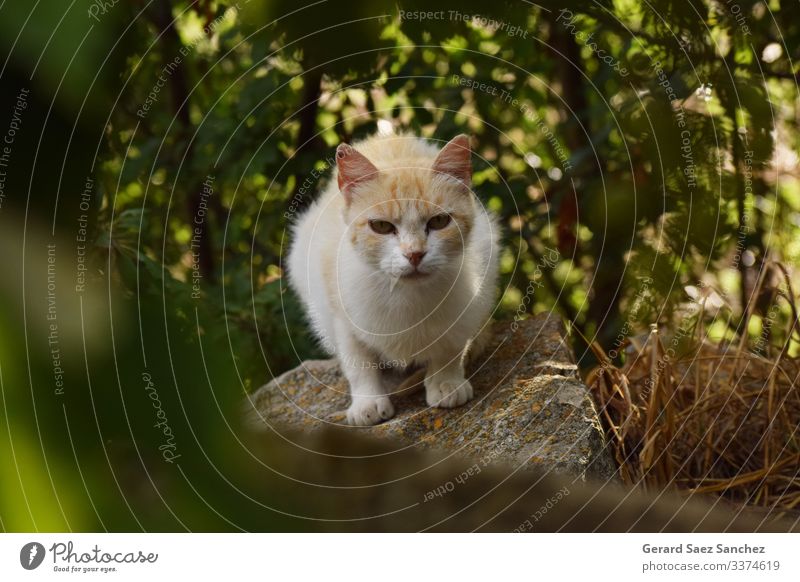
(678, 175)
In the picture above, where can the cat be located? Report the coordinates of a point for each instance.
(397, 261)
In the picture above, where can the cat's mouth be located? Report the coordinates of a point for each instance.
(414, 275)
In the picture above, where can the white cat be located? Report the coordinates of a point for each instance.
(398, 261)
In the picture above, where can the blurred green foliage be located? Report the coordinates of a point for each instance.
(665, 174)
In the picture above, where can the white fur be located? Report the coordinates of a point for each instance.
(366, 313)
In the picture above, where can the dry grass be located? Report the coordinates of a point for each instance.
(721, 419)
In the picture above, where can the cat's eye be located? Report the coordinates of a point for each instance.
(382, 227)
(438, 222)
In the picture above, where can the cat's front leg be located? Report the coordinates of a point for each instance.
(445, 385)
(369, 403)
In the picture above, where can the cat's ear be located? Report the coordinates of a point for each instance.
(455, 160)
(353, 169)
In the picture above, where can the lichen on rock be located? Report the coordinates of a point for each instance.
(530, 408)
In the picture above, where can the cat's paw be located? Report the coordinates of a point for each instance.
(369, 410)
(448, 393)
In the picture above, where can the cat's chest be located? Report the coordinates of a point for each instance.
(400, 322)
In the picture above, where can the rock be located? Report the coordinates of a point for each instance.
(530, 409)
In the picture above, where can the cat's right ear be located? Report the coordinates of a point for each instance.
(353, 169)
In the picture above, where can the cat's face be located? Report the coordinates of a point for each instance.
(410, 223)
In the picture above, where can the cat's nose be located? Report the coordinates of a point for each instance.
(415, 258)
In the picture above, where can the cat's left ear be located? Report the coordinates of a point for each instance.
(455, 160)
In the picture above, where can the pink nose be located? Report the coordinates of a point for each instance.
(415, 258)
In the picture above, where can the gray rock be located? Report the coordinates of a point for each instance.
(530, 409)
